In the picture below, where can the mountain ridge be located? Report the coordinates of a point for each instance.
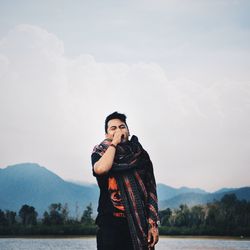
(33, 184)
(29, 183)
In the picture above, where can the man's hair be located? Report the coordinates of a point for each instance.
(115, 115)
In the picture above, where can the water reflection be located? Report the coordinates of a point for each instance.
(89, 243)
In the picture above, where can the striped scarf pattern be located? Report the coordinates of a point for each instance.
(133, 171)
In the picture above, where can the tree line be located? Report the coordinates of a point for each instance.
(55, 221)
(229, 217)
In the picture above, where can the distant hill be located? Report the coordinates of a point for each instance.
(166, 192)
(223, 190)
(192, 198)
(32, 184)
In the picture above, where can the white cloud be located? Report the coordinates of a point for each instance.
(53, 110)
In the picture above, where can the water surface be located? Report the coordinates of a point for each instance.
(89, 243)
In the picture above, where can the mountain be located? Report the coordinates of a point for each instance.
(223, 190)
(166, 192)
(32, 184)
(192, 198)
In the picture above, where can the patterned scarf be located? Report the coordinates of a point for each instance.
(133, 171)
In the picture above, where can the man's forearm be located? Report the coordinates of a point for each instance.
(105, 162)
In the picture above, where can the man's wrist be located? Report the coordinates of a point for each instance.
(112, 145)
(154, 224)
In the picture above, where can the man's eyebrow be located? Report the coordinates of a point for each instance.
(116, 126)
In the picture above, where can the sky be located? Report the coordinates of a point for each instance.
(178, 69)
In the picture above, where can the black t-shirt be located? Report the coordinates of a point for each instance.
(104, 204)
(109, 200)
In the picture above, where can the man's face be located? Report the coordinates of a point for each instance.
(115, 125)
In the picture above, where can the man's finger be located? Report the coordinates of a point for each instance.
(149, 236)
(155, 240)
(153, 243)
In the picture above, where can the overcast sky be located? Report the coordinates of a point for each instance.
(179, 70)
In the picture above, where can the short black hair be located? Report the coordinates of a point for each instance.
(115, 115)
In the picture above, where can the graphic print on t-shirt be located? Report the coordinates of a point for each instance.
(115, 196)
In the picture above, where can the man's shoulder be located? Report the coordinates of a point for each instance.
(95, 157)
(101, 147)
(95, 148)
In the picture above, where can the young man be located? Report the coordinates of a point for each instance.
(128, 206)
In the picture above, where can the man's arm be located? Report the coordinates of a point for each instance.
(104, 164)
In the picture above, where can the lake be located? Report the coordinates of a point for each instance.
(89, 243)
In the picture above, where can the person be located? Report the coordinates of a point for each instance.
(128, 206)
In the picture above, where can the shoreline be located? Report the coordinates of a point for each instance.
(206, 237)
(93, 236)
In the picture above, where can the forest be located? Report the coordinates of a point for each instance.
(226, 217)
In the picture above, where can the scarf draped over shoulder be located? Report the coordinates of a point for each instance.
(134, 173)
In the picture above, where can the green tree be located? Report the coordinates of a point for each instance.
(3, 220)
(57, 215)
(165, 216)
(46, 218)
(87, 215)
(10, 217)
(228, 208)
(28, 215)
(182, 216)
(197, 216)
(65, 213)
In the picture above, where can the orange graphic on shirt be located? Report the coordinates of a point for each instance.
(115, 194)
